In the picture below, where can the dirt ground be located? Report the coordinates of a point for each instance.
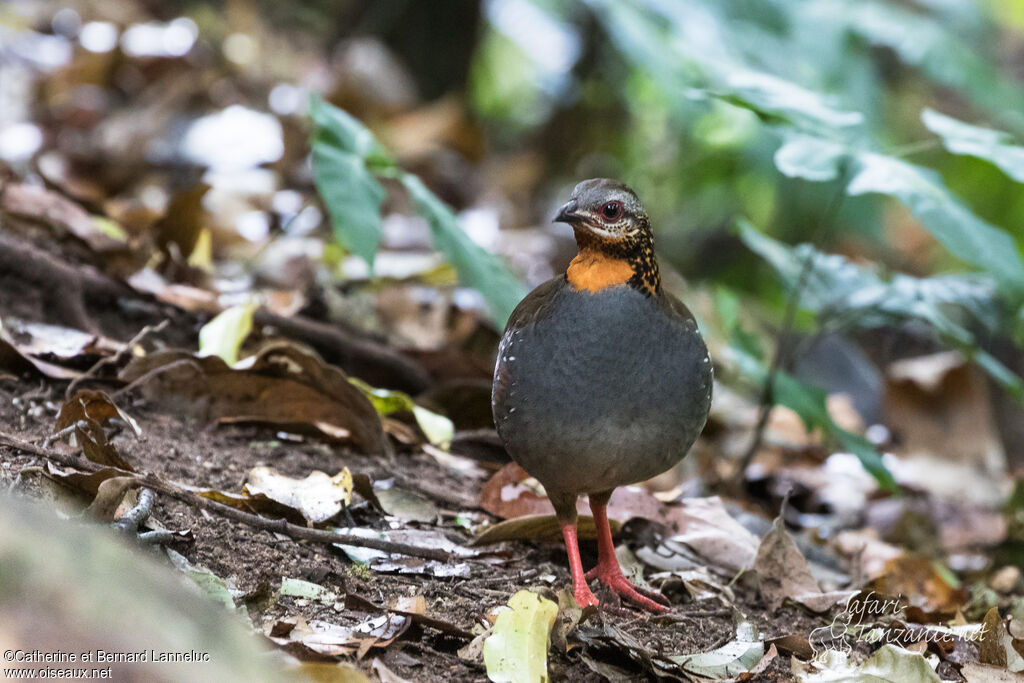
(184, 450)
(179, 450)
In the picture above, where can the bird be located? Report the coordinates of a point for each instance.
(602, 377)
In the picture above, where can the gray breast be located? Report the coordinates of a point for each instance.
(604, 389)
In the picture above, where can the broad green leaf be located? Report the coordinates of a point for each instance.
(935, 47)
(343, 149)
(810, 158)
(782, 99)
(517, 649)
(846, 295)
(297, 588)
(984, 143)
(964, 234)
(809, 403)
(220, 590)
(477, 268)
(223, 336)
(438, 429)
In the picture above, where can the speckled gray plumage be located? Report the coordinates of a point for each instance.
(598, 390)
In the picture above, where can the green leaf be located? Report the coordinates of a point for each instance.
(846, 295)
(212, 585)
(223, 336)
(964, 234)
(477, 268)
(991, 145)
(934, 45)
(297, 588)
(809, 402)
(810, 158)
(517, 649)
(343, 151)
(438, 429)
(776, 98)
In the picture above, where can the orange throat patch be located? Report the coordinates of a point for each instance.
(592, 271)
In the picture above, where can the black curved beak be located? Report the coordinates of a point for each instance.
(567, 214)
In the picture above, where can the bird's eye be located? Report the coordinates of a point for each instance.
(612, 211)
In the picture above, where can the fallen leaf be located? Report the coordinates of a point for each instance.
(380, 561)
(708, 536)
(783, 573)
(406, 505)
(915, 578)
(182, 223)
(538, 528)
(108, 497)
(511, 492)
(221, 590)
(889, 663)
(298, 588)
(88, 411)
(317, 498)
(438, 429)
(283, 384)
(92, 405)
(729, 661)
(517, 649)
(223, 336)
(331, 640)
(997, 646)
(53, 209)
(415, 610)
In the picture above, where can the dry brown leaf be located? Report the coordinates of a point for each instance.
(52, 209)
(784, 574)
(940, 407)
(706, 527)
(326, 639)
(92, 405)
(914, 578)
(511, 493)
(538, 528)
(283, 384)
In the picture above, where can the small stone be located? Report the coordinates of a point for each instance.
(1005, 580)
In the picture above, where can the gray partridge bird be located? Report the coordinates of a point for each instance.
(602, 377)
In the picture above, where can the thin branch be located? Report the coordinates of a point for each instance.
(273, 525)
(781, 359)
(117, 357)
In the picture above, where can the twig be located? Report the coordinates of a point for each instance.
(273, 525)
(780, 359)
(117, 357)
(134, 518)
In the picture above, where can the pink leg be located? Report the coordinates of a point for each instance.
(580, 589)
(608, 571)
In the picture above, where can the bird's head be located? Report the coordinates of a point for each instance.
(605, 210)
(614, 237)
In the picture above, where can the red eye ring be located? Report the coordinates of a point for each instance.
(611, 211)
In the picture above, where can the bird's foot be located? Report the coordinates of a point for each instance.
(613, 578)
(584, 596)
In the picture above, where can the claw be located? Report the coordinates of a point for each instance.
(618, 584)
(584, 596)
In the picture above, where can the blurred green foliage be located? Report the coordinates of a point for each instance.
(759, 111)
(348, 163)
